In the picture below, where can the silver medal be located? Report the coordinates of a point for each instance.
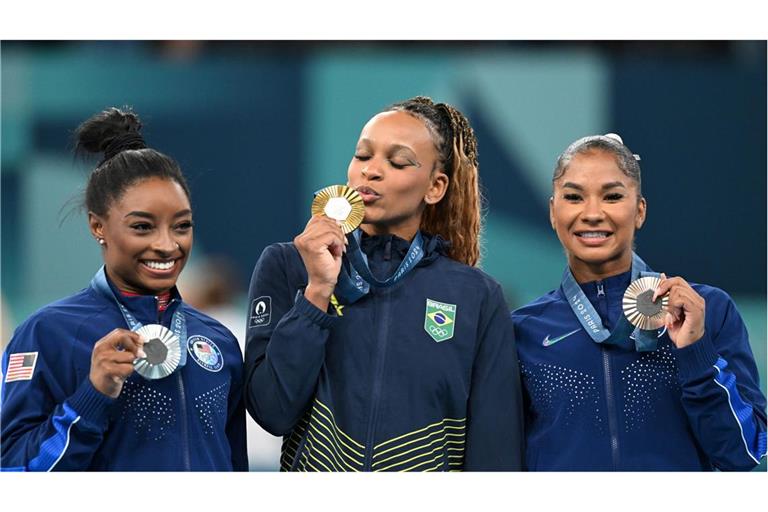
(163, 350)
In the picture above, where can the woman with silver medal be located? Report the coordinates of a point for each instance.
(382, 347)
(124, 375)
(624, 368)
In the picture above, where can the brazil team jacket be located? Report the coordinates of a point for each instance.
(420, 376)
(592, 406)
(54, 419)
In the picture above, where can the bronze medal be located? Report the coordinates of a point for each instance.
(638, 307)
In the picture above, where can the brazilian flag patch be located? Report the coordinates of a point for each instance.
(439, 320)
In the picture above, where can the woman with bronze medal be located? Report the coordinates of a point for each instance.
(124, 375)
(624, 368)
(382, 347)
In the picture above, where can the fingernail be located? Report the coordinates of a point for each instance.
(141, 354)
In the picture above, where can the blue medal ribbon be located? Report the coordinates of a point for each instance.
(645, 341)
(178, 321)
(355, 278)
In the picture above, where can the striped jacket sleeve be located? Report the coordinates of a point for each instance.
(50, 420)
(720, 388)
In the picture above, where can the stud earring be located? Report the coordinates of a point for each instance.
(100, 240)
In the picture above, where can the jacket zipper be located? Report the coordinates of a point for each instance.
(608, 381)
(182, 397)
(300, 450)
(184, 427)
(611, 408)
(378, 375)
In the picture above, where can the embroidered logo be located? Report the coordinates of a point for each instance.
(205, 353)
(548, 342)
(21, 366)
(261, 312)
(439, 320)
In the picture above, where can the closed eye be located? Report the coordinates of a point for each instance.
(400, 165)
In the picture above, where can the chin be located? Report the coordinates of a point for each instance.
(597, 256)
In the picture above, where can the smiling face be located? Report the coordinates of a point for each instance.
(395, 170)
(595, 211)
(147, 236)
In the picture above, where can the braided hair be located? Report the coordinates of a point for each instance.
(457, 217)
(126, 161)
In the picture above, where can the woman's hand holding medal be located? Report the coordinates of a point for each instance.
(112, 360)
(321, 246)
(336, 210)
(685, 311)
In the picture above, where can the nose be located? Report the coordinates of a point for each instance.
(592, 212)
(164, 243)
(372, 170)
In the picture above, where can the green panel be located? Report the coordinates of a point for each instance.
(60, 257)
(526, 264)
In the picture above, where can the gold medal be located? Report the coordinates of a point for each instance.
(163, 350)
(638, 307)
(341, 203)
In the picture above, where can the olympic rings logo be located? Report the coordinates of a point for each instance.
(437, 331)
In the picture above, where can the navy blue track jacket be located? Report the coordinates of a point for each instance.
(592, 406)
(369, 388)
(54, 419)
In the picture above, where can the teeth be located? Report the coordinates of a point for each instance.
(159, 265)
(593, 234)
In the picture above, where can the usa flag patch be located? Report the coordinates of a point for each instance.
(21, 366)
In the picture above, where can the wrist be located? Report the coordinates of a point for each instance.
(319, 295)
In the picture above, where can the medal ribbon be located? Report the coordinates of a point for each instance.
(178, 321)
(356, 278)
(645, 341)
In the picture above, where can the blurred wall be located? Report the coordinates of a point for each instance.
(258, 126)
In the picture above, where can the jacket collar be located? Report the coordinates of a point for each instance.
(434, 246)
(143, 307)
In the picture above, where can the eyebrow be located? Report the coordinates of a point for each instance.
(394, 148)
(610, 185)
(147, 215)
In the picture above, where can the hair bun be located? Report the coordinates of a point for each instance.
(110, 132)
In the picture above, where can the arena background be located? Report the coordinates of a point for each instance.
(258, 126)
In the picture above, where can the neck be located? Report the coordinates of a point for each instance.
(585, 271)
(404, 232)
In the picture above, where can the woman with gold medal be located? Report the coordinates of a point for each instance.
(623, 368)
(383, 347)
(123, 375)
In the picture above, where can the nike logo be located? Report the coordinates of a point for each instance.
(659, 333)
(547, 342)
